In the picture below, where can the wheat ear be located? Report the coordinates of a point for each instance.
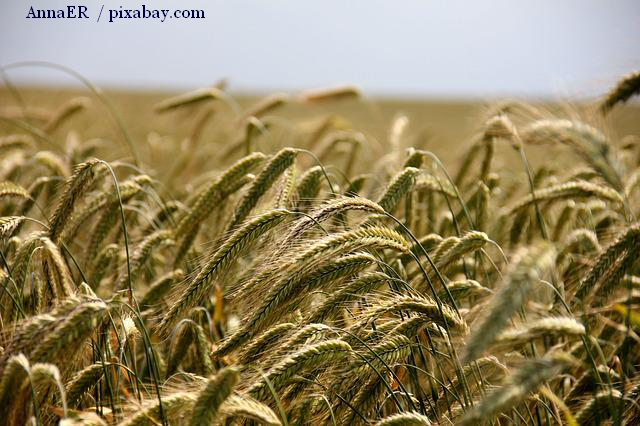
(526, 268)
(611, 266)
(274, 168)
(75, 186)
(219, 260)
(217, 390)
(405, 419)
(517, 387)
(314, 356)
(627, 87)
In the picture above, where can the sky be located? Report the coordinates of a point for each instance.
(419, 49)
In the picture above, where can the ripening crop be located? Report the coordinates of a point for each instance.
(266, 270)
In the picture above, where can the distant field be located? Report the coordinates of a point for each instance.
(445, 127)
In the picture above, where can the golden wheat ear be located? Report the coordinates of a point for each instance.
(518, 385)
(330, 94)
(528, 265)
(212, 397)
(197, 288)
(405, 419)
(309, 357)
(75, 186)
(627, 87)
(190, 98)
(65, 112)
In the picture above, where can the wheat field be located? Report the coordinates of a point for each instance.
(317, 259)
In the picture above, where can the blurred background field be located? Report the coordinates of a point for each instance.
(445, 127)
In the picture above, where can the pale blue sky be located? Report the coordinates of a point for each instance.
(400, 47)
